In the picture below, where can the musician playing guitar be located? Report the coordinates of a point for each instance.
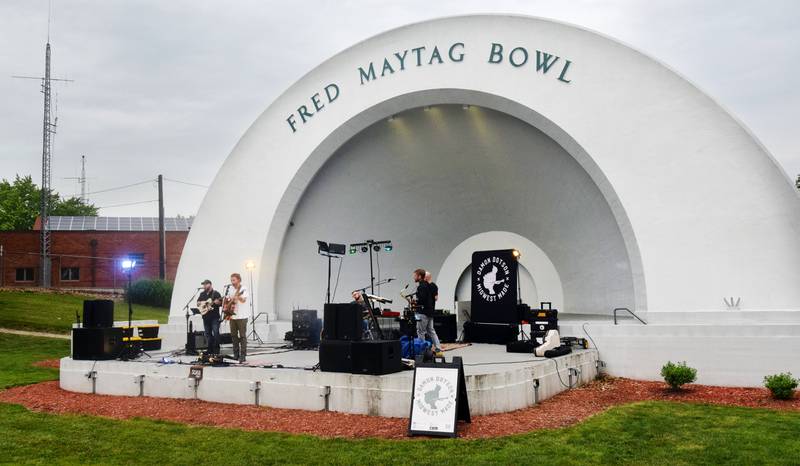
(236, 310)
(209, 303)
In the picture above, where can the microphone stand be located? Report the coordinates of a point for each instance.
(188, 314)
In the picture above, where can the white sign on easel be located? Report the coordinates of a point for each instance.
(438, 399)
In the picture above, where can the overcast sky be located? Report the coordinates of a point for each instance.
(170, 86)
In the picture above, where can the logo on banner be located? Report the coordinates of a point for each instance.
(436, 395)
(493, 279)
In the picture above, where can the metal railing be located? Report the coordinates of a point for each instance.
(629, 312)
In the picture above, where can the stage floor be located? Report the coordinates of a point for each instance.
(497, 381)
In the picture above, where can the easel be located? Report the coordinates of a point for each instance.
(461, 408)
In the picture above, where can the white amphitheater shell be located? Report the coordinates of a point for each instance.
(622, 184)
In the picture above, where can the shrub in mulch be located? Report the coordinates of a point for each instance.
(782, 386)
(678, 374)
(562, 410)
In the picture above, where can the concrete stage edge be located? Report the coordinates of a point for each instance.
(496, 381)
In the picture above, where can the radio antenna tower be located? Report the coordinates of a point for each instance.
(81, 179)
(48, 131)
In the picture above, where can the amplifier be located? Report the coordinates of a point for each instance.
(195, 342)
(303, 318)
(98, 313)
(307, 337)
(376, 357)
(335, 356)
(481, 332)
(96, 343)
(446, 328)
(343, 322)
(148, 331)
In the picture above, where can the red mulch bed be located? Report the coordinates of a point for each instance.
(562, 410)
(51, 363)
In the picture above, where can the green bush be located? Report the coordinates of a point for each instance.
(678, 374)
(781, 385)
(151, 292)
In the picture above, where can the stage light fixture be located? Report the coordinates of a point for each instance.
(388, 248)
(250, 265)
(353, 250)
(516, 254)
(128, 264)
(322, 246)
(364, 248)
(376, 248)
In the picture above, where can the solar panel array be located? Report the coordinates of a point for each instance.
(117, 224)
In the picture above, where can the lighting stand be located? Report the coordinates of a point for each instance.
(253, 333)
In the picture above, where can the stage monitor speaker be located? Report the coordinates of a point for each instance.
(500, 334)
(343, 322)
(96, 343)
(377, 357)
(335, 356)
(98, 313)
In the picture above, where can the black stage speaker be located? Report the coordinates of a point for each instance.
(500, 334)
(196, 342)
(98, 313)
(377, 357)
(335, 356)
(446, 328)
(96, 343)
(343, 322)
(526, 346)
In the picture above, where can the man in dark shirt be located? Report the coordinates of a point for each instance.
(426, 301)
(211, 317)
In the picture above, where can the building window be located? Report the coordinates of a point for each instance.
(136, 256)
(24, 274)
(70, 274)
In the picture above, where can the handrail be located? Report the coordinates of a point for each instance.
(629, 312)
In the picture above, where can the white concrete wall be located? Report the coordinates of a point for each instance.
(702, 208)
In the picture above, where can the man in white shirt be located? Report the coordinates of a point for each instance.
(238, 314)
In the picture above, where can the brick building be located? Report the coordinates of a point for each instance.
(86, 251)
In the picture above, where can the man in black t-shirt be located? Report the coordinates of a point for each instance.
(425, 299)
(211, 317)
(434, 288)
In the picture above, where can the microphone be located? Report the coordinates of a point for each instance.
(405, 287)
(199, 287)
(388, 280)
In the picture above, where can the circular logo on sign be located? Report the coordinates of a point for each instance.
(435, 395)
(493, 279)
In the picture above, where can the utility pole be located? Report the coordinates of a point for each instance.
(162, 240)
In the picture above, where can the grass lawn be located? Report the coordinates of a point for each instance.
(18, 353)
(53, 312)
(641, 433)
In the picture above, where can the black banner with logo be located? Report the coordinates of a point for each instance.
(494, 286)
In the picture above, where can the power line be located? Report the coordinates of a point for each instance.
(186, 182)
(127, 204)
(120, 187)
